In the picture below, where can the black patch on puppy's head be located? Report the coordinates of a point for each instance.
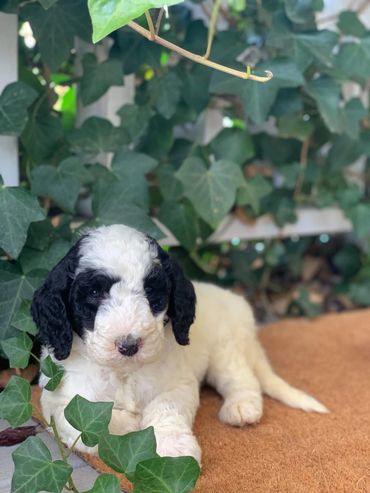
(167, 286)
(88, 290)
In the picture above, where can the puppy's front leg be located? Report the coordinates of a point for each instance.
(171, 413)
(123, 422)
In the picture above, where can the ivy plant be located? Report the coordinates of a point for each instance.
(278, 81)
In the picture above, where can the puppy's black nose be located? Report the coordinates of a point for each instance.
(128, 346)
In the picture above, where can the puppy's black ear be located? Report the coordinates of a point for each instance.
(50, 306)
(181, 308)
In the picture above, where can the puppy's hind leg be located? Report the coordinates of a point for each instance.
(231, 376)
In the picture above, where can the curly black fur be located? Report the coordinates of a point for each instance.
(50, 308)
(182, 299)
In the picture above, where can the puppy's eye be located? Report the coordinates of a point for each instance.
(94, 293)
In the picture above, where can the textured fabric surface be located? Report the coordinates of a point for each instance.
(290, 451)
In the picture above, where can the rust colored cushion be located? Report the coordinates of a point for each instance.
(290, 451)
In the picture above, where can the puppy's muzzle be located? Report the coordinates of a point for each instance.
(128, 346)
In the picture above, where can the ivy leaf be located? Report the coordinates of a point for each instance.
(304, 303)
(18, 209)
(134, 119)
(124, 453)
(130, 168)
(166, 475)
(14, 101)
(302, 11)
(35, 470)
(15, 404)
(170, 186)
(53, 371)
(354, 112)
(253, 191)
(344, 151)
(47, 3)
(105, 483)
(258, 98)
(18, 350)
(109, 15)
(99, 77)
(165, 93)
(353, 60)
(31, 259)
(56, 27)
(319, 44)
(359, 215)
(97, 135)
(181, 220)
(210, 190)
(14, 288)
(295, 127)
(91, 418)
(22, 319)
(350, 24)
(233, 144)
(41, 137)
(326, 92)
(61, 184)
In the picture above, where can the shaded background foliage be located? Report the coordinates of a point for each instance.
(285, 144)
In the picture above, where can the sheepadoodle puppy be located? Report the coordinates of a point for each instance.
(116, 313)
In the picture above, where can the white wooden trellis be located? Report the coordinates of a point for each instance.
(310, 221)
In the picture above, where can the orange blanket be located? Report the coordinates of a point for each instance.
(290, 451)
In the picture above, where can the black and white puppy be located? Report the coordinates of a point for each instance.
(116, 313)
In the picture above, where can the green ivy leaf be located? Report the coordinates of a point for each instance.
(56, 27)
(18, 350)
(295, 127)
(134, 119)
(359, 215)
(35, 470)
(353, 60)
(14, 288)
(47, 3)
(109, 15)
(238, 5)
(182, 221)
(15, 404)
(61, 184)
(53, 371)
(124, 453)
(302, 11)
(170, 186)
(14, 101)
(105, 483)
(91, 418)
(166, 475)
(354, 112)
(350, 24)
(41, 137)
(97, 135)
(319, 44)
(233, 144)
(253, 191)
(326, 92)
(31, 259)
(99, 77)
(18, 209)
(22, 319)
(359, 293)
(210, 190)
(165, 93)
(344, 152)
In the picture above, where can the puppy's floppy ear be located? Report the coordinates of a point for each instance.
(181, 308)
(50, 306)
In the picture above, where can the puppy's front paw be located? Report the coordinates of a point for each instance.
(177, 445)
(242, 410)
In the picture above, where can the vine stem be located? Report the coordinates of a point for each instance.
(150, 25)
(70, 485)
(212, 27)
(303, 165)
(198, 58)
